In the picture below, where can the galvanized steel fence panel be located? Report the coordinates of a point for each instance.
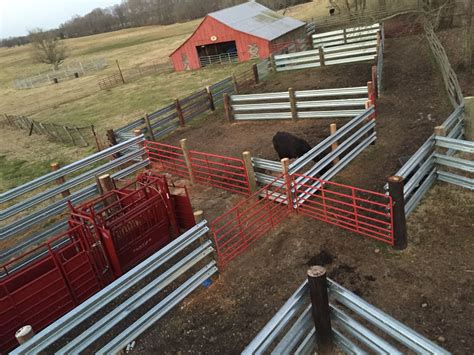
(347, 35)
(57, 330)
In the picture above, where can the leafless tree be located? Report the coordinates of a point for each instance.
(47, 47)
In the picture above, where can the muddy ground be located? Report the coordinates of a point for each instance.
(428, 286)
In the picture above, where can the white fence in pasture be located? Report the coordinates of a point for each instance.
(346, 36)
(357, 46)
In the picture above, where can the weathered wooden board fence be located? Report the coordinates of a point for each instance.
(340, 102)
(78, 136)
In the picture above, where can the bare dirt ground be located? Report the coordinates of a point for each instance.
(428, 286)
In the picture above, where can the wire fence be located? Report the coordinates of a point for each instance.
(77, 136)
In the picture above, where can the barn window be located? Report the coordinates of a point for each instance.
(218, 53)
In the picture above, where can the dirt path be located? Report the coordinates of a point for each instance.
(428, 286)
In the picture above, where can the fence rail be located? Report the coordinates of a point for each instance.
(342, 102)
(292, 328)
(78, 136)
(33, 211)
(224, 58)
(174, 260)
(346, 36)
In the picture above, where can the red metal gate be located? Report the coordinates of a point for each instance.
(45, 283)
(237, 229)
(365, 212)
(214, 170)
(221, 172)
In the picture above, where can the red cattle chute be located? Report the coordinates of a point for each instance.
(362, 211)
(167, 158)
(133, 222)
(237, 229)
(221, 172)
(47, 282)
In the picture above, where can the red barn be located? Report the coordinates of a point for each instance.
(235, 34)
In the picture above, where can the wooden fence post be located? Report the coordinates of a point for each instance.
(255, 74)
(344, 33)
(138, 132)
(332, 130)
(294, 108)
(247, 158)
(187, 160)
(236, 84)
(273, 63)
(212, 106)
(179, 111)
(24, 334)
(54, 167)
(318, 291)
(285, 167)
(106, 185)
(228, 108)
(440, 131)
(370, 89)
(111, 137)
(395, 188)
(151, 135)
(322, 61)
(374, 81)
(97, 142)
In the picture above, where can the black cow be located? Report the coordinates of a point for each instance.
(292, 147)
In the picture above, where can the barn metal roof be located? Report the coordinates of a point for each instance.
(256, 20)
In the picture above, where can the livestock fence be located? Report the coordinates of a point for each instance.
(321, 314)
(340, 102)
(335, 47)
(165, 120)
(78, 136)
(223, 58)
(158, 278)
(67, 72)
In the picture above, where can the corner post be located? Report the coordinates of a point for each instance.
(294, 108)
(24, 334)
(187, 159)
(55, 167)
(228, 108)
(395, 188)
(320, 307)
(247, 158)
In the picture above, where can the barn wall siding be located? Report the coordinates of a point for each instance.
(187, 53)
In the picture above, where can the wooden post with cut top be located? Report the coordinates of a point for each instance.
(247, 158)
(273, 63)
(318, 292)
(332, 131)
(294, 108)
(228, 108)
(187, 160)
(322, 61)
(212, 106)
(285, 167)
(59, 181)
(151, 135)
(395, 188)
(236, 84)
(179, 112)
(24, 334)
(255, 74)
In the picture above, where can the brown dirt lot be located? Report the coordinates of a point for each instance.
(436, 269)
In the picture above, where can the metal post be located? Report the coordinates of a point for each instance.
(148, 126)
(179, 111)
(255, 74)
(54, 167)
(294, 109)
(228, 108)
(24, 334)
(247, 157)
(320, 307)
(332, 130)
(322, 61)
(187, 160)
(395, 186)
(212, 106)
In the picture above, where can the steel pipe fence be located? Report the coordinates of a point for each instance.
(345, 36)
(178, 257)
(223, 58)
(25, 217)
(237, 229)
(291, 330)
(167, 158)
(225, 86)
(279, 105)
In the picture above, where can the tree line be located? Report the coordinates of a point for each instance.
(135, 13)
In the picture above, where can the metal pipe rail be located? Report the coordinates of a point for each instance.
(71, 320)
(300, 338)
(456, 144)
(267, 164)
(463, 181)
